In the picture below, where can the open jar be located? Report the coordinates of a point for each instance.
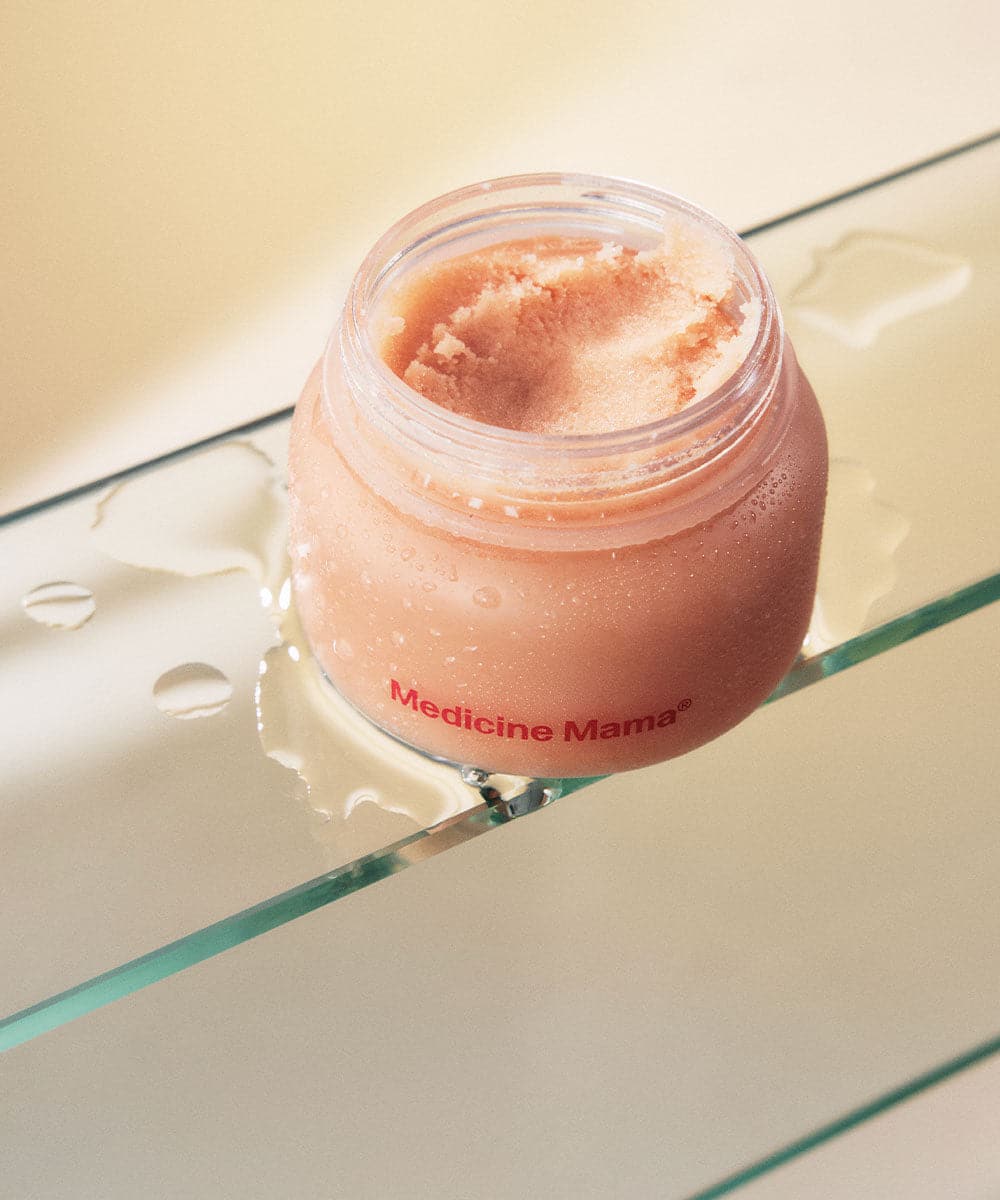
(553, 604)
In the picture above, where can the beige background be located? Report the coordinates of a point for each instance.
(188, 186)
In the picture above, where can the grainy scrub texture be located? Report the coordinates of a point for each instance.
(569, 335)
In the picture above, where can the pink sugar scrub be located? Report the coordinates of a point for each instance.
(563, 335)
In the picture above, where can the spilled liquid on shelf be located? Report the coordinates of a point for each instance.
(192, 690)
(869, 281)
(225, 510)
(345, 764)
(60, 604)
(857, 566)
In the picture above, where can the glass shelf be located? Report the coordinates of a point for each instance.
(154, 816)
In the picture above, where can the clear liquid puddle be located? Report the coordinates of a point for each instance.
(223, 510)
(869, 281)
(192, 690)
(226, 510)
(60, 604)
(861, 535)
(345, 764)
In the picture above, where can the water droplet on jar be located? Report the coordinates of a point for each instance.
(487, 597)
(397, 638)
(192, 690)
(60, 605)
(343, 649)
(429, 586)
(407, 553)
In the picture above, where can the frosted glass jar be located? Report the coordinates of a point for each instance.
(553, 605)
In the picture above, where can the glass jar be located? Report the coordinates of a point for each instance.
(554, 605)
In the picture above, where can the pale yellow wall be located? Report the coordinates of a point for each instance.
(175, 174)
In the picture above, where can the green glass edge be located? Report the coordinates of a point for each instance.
(857, 1116)
(233, 931)
(390, 860)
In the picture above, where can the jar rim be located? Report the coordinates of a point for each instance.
(522, 488)
(478, 202)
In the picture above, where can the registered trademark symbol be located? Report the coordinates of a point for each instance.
(683, 704)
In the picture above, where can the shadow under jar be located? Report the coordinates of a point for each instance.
(551, 603)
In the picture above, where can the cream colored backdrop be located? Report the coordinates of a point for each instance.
(188, 186)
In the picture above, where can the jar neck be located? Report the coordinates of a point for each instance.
(529, 488)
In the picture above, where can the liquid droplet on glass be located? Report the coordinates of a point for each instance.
(869, 281)
(857, 562)
(60, 605)
(192, 690)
